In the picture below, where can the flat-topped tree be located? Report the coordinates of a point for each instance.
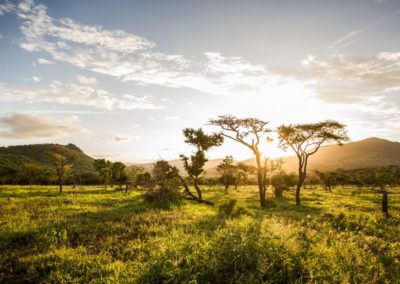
(306, 139)
(194, 164)
(248, 132)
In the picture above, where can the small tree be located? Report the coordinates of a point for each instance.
(248, 132)
(117, 173)
(226, 169)
(31, 170)
(194, 165)
(166, 184)
(132, 173)
(385, 177)
(243, 171)
(104, 169)
(306, 139)
(282, 181)
(144, 180)
(60, 164)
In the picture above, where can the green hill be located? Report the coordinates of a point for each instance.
(12, 158)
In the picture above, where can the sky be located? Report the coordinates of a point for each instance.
(121, 79)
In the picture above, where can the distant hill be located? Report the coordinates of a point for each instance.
(13, 157)
(371, 152)
(210, 167)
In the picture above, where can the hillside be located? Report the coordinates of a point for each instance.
(371, 152)
(13, 157)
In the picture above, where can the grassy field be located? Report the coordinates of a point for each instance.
(109, 237)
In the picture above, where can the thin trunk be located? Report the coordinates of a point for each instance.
(385, 202)
(260, 180)
(198, 190)
(30, 183)
(60, 183)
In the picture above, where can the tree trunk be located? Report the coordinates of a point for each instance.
(298, 188)
(198, 190)
(105, 184)
(261, 187)
(60, 184)
(30, 183)
(385, 202)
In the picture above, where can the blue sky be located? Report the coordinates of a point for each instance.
(121, 79)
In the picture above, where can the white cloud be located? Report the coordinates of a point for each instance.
(6, 7)
(25, 126)
(86, 80)
(43, 61)
(346, 79)
(36, 79)
(121, 138)
(132, 58)
(75, 94)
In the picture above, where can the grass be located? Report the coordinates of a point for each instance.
(93, 236)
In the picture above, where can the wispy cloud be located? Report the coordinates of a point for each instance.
(130, 57)
(75, 94)
(121, 138)
(86, 80)
(6, 7)
(369, 84)
(26, 126)
(350, 38)
(43, 61)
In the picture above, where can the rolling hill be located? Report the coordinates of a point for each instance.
(371, 152)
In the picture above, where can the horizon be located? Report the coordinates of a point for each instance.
(132, 162)
(121, 80)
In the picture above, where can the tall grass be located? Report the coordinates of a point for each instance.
(92, 235)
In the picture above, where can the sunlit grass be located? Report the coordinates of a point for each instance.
(90, 234)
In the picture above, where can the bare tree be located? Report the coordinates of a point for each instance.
(306, 139)
(248, 132)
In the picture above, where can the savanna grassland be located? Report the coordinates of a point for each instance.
(91, 235)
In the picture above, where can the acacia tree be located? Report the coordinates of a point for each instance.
(227, 169)
(104, 168)
(31, 170)
(306, 139)
(60, 164)
(194, 164)
(248, 132)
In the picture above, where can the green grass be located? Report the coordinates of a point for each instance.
(90, 235)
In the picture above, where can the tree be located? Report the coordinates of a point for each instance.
(132, 174)
(117, 173)
(60, 164)
(31, 170)
(243, 172)
(306, 139)
(385, 177)
(166, 184)
(194, 165)
(327, 178)
(248, 132)
(282, 181)
(144, 180)
(104, 169)
(226, 169)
